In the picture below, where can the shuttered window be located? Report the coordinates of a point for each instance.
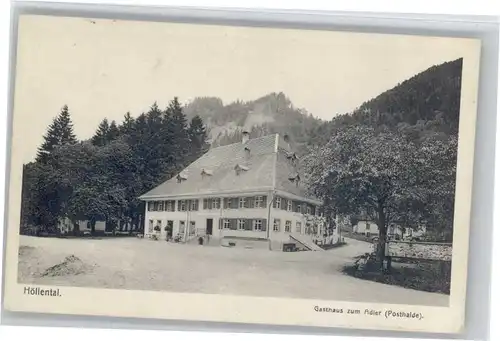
(258, 201)
(298, 227)
(216, 203)
(276, 225)
(257, 224)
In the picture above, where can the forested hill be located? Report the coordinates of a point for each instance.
(272, 113)
(427, 103)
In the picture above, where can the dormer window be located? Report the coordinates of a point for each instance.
(181, 177)
(205, 172)
(240, 168)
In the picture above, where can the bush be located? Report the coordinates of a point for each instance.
(425, 276)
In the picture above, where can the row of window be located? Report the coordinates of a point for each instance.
(243, 224)
(294, 206)
(232, 203)
(288, 226)
(227, 224)
(169, 227)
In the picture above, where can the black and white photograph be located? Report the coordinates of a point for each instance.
(241, 161)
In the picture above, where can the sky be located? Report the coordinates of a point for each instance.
(104, 68)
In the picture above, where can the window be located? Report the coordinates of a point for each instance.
(155, 206)
(182, 205)
(216, 203)
(289, 205)
(257, 224)
(192, 228)
(241, 224)
(288, 226)
(151, 223)
(169, 206)
(308, 209)
(298, 227)
(150, 206)
(259, 201)
(298, 208)
(182, 227)
(227, 224)
(242, 203)
(276, 225)
(160, 206)
(278, 203)
(193, 205)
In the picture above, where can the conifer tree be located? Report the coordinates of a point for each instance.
(59, 132)
(100, 137)
(113, 132)
(197, 137)
(177, 130)
(127, 125)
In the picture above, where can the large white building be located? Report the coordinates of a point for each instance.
(246, 190)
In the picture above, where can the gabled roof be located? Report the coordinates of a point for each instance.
(265, 168)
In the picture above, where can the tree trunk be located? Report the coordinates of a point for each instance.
(92, 225)
(382, 236)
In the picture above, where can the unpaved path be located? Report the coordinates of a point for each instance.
(130, 263)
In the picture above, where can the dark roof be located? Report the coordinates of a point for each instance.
(264, 168)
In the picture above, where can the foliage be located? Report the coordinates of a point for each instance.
(60, 132)
(394, 159)
(102, 178)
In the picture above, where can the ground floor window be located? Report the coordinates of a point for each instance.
(288, 226)
(276, 225)
(227, 224)
(157, 227)
(298, 227)
(192, 228)
(257, 225)
(182, 227)
(241, 224)
(151, 223)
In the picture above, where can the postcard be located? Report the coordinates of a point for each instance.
(205, 172)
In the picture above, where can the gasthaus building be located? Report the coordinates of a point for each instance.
(249, 190)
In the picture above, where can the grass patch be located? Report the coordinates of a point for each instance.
(428, 276)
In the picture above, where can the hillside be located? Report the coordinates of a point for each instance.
(273, 113)
(427, 103)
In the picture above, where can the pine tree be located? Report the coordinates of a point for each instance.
(66, 127)
(100, 137)
(59, 132)
(177, 137)
(127, 125)
(198, 137)
(113, 132)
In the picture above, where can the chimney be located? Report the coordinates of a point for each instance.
(245, 136)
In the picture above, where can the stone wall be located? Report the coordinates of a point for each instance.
(418, 250)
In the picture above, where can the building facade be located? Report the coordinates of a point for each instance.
(394, 231)
(247, 190)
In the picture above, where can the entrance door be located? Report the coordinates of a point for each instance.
(210, 225)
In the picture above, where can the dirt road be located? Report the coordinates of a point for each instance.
(130, 263)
